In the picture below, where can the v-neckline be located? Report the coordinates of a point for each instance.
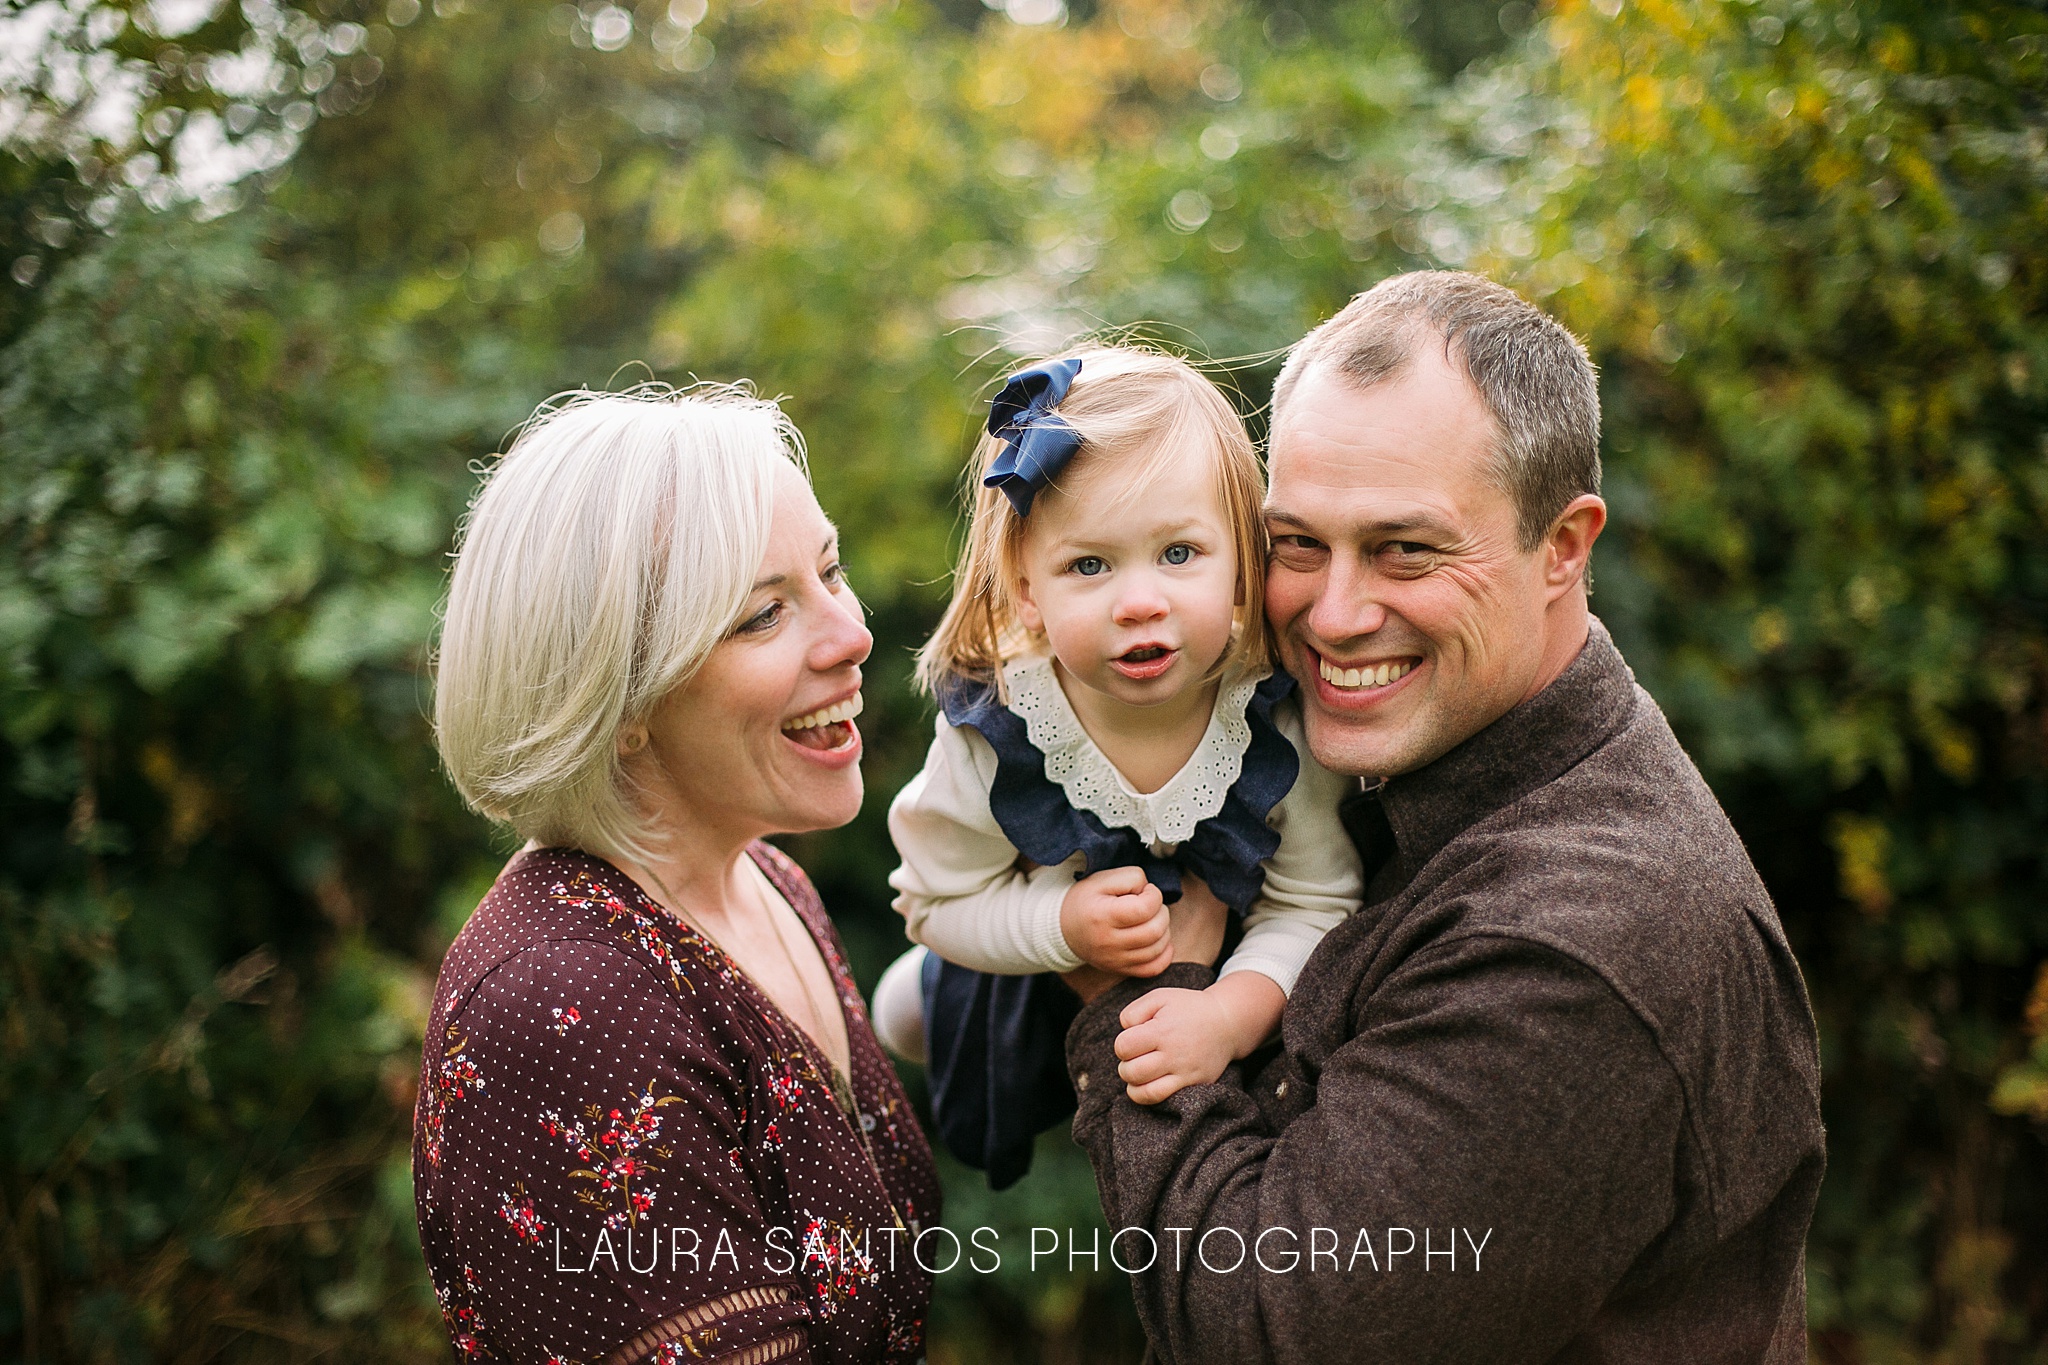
(833, 1069)
(839, 1081)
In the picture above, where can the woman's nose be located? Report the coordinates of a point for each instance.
(844, 638)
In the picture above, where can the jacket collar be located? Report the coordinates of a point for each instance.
(1535, 743)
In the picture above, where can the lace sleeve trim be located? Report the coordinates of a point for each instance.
(695, 1329)
(1092, 783)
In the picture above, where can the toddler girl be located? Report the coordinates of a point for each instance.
(1110, 722)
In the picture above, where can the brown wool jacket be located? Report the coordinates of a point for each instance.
(1553, 1095)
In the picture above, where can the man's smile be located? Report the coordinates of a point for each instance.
(1366, 675)
(1358, 686)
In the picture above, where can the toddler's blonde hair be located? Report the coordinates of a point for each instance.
(1138, 407)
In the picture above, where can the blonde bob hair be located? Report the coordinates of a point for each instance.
(1141, 408)
(610, 548)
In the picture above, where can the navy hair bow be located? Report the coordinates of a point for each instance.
(1038, 443)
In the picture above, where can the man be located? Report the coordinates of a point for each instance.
(1553, 1095)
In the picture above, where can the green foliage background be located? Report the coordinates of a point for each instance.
(1804, 238)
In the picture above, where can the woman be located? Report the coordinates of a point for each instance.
(654, 1124)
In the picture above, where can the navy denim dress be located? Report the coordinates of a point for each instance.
(996, 1045)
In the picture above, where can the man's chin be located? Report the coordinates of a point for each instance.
(1355, 747)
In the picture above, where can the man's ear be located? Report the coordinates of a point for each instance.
(1569, 546)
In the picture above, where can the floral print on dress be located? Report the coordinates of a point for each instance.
(837, 1259)
(458, 1311)
(647, 931)
(566, 991)
(615, 1146)
(784, 1084)
(787, 1072)
(519, 1213)
(688, 1346)
(456, 1078)
(906, 1333)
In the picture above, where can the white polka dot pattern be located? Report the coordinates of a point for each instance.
(623, 1151)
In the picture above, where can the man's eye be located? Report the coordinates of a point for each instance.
(1178, 554)
(1296, 549)
(835, 575)
(1410, 547)
(1089, 565)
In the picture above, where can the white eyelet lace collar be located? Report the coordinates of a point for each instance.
(1092, 783)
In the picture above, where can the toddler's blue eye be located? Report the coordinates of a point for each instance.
(1089, 565)
(1179, 554)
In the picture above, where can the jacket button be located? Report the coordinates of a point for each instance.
(1280, 1091)
(1081, 1082)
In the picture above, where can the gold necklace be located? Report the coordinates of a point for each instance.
(842, 1087)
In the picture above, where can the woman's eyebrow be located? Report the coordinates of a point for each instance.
(777, 580)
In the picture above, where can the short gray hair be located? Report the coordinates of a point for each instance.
(606, 554)
(1534, 377)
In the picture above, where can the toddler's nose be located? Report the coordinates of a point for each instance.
(1140, 601)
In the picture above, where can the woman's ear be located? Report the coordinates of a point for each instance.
(632, 739)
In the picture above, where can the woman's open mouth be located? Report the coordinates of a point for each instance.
(827, 729)
(1144, 662)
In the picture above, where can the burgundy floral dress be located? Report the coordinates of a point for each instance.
(623, 1152)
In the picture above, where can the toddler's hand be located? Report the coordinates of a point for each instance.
(1116, 920)
(1172, 1038)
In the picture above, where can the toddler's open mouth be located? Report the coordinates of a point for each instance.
(1146, 661)
(826, 729)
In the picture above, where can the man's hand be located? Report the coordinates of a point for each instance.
(1089, 982)
(1198, 922)
(1115, 921)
